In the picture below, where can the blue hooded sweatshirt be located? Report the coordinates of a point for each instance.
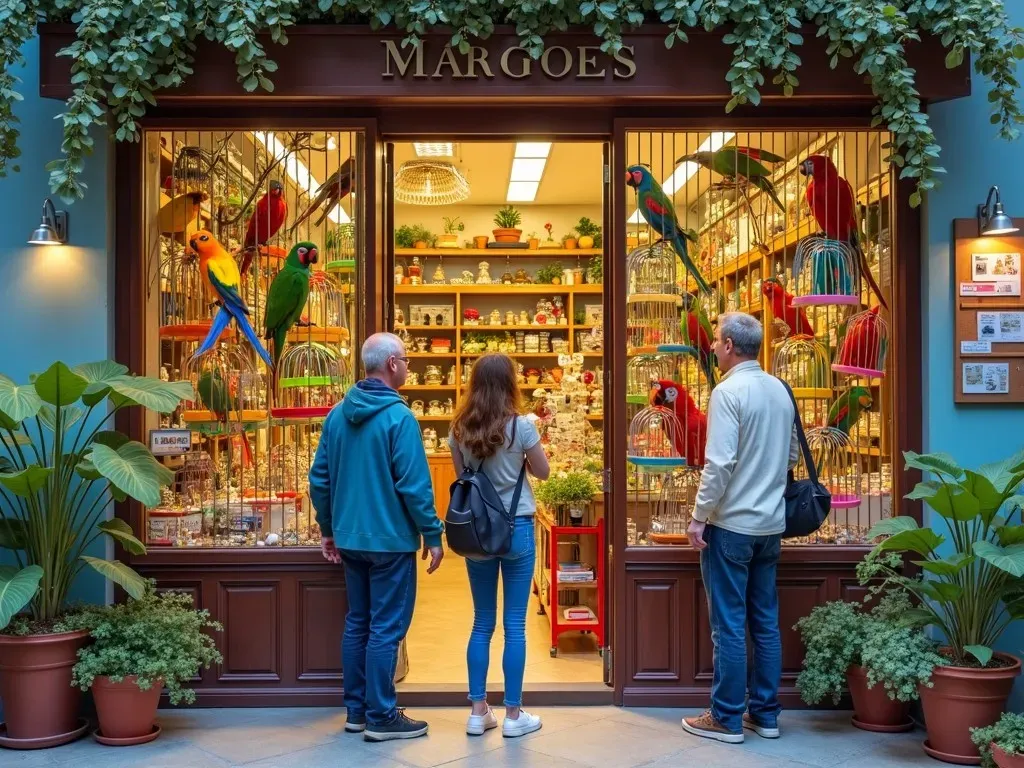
(370, 483)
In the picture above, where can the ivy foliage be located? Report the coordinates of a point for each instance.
(126, 51)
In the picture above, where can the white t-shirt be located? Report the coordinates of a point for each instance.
(503, 468)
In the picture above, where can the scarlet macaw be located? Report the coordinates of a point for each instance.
(691, 439)
(268, 217)
(783, 309)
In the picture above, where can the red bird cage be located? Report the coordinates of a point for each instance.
(824, 272)
(863, 345)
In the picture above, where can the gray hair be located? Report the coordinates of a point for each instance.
(378, 348)
(744, 330)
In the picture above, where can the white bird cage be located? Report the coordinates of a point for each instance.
(654, 434)
(671, 515)
(312, 379)
(184, 297)
(641, 371)
(824, 272)
(652, 320)
(803, 364)
(652, 269)
(837, 464)
(864, 347)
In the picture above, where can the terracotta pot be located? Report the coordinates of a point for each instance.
(419, 245)
(534, 243)
(507, 235)
(962, 698)
(35, 685)
(1006, 760)
(480, 241)
(569, 244)
(586, 241)
(873, 710)
(123, 709)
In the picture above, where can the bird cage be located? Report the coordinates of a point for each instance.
(803, 364)
(229, 392)
(671, 514)
(824, 272)
(652, 320)
(186, 312)
(195, 478)
(863, 345)
(311, 379)
(654, 434)
(652, 269)
(641, 371)
(837, 465)
(325, 312)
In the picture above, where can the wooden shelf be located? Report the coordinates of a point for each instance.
(434, 418)
(427, 327)
(430, 387)
(533, 289)
(528, 328)
(526, 253)
(422, 355)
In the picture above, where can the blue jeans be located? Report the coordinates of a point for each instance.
(381, 589)
(516, 578)
(739, 579)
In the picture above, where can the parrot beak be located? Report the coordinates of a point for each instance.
(806, 168)
(192, 243)
(687, 159)
(313, 258)
(630, 181)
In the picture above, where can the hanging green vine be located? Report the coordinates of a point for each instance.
(126, 51)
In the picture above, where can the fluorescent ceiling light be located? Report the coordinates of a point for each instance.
(533, 149)
(522, 191)
(299, 172)
(527, 169)
(681, 175)
(434, 149)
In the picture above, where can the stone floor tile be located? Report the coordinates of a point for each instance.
(514, 756)
(598, 744)
(816, 738)
(445, 743)
(894, 751)
(713, 755)
(255, 741)
(333, 755)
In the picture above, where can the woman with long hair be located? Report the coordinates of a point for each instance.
(488, 434)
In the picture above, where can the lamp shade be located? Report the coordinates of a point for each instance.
(999, 223)
(44, 234)
(430, 182)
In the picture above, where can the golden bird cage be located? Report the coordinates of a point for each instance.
(230, 394)
(671, 514)
(312, 379)
(839, 469)
(824, 273)
(803, 364)
(864, 345)
(641, 371)
(326, 312)
(654, 434)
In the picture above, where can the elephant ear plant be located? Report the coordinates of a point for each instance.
(973, 589)
(58, 468)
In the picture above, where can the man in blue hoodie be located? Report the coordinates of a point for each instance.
(370, 486)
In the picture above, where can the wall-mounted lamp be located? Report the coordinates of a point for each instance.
(991, 218)
(53, 229)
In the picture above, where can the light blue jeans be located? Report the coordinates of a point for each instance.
(516, 578)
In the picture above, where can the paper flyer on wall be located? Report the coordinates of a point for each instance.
(994, 273)
(986, 378)
(1005, 327)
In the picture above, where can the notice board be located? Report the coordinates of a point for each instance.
(988, 358)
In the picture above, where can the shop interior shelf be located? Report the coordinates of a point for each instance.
(526, 253)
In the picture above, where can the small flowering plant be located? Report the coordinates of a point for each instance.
(548, 227)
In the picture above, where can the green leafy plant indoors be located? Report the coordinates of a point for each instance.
(405, 237)
(548, 273)
(160, 638)
(896, 655)
(1007, 733)
(453, 225)
(568, 488)
(972, 593)
(58, 471)
(595, 270)
(508, 217)
(588, 228)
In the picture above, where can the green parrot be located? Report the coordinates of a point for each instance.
(287, 296)
(846, 410)
(697, 333)
(740, 163)
(213, 393)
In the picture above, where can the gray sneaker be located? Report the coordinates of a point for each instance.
(400, 727)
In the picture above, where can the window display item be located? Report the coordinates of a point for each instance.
(483, 274)
(432, 314)
(654, 434)
(438, 277)
(311, 379)
(432, 376)
(863, 345)
(417, 407)
(837, 465)
(470, 316)
(671, 515)
(421, 344)
(440, 346)
(803, 364)
(824, 272)
(415, 271)
(228, 390)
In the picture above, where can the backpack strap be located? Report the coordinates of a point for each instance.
(812, 471)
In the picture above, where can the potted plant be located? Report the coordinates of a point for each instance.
(405, 237)
(550, 274)
(1001, 744)
(533, 241)
(550, 241)
(595, 270)
(57, 467)
(423, 237)
(589, 232)
(480, 242)
(569, 240)
(570, 492)
(880, 660)
(450, 238)
(972, 590)
(508, 220)
(139, 648)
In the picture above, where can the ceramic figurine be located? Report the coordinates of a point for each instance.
(506, 278)
(467, 277)
(399, 317)
(438, 276)
(413, 379)
(524, 318)
(417, 407)
(164, 375)
(495, 318)
(399, 274)
(452, 375)
(483, 275)
(434, 409)
(510, 317)
(521, 277)
(449, 407)
(415, 271)
(421, 344)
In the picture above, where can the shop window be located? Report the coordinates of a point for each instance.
(815, 271)
(272, 216)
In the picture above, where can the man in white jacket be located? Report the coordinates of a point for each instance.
(738, 520)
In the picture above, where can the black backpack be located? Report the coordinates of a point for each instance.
(808, 502)
(477, 524)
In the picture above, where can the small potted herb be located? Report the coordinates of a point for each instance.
(139, 648)
(570, 492)
(589, 232)
(533, 241)
(1001, 744)
(595, 270)
(452, 228)
(569, 240)
(550, 274)
(405, 237)
(508, 220)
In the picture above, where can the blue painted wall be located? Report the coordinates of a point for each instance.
(975, 158)
(56, 301)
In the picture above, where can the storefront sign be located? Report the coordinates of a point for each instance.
(170, 442)
(580, 62)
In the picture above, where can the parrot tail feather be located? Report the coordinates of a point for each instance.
(246, 327)
(220, 322)
(679, 243)
(247, 458)
(766, 186)
(864, 268)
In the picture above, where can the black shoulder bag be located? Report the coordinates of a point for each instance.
(477, 524)
(808, 502)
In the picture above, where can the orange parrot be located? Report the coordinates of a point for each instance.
(221, 275)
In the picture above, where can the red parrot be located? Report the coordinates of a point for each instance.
(692, 439)
(783, 309)
(265, 221)
(830, 198)
(863, 342)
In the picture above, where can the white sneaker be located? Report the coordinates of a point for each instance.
(526, 723)
(478, 724)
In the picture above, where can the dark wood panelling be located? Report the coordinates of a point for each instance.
(252, 655)
(321, 623)
(656, 654)
(797, 596)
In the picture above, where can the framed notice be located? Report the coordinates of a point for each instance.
(170, 442)
(988, 353)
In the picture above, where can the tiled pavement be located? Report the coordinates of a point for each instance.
(604, 737)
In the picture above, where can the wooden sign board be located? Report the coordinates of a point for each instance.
(988, 332)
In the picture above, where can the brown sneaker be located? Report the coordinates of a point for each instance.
(762, 731)
(707, 727)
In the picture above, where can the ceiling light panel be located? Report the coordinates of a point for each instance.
(527, 169)
(533, 149)
(522, 191)
(434, 149)
(298, 172)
